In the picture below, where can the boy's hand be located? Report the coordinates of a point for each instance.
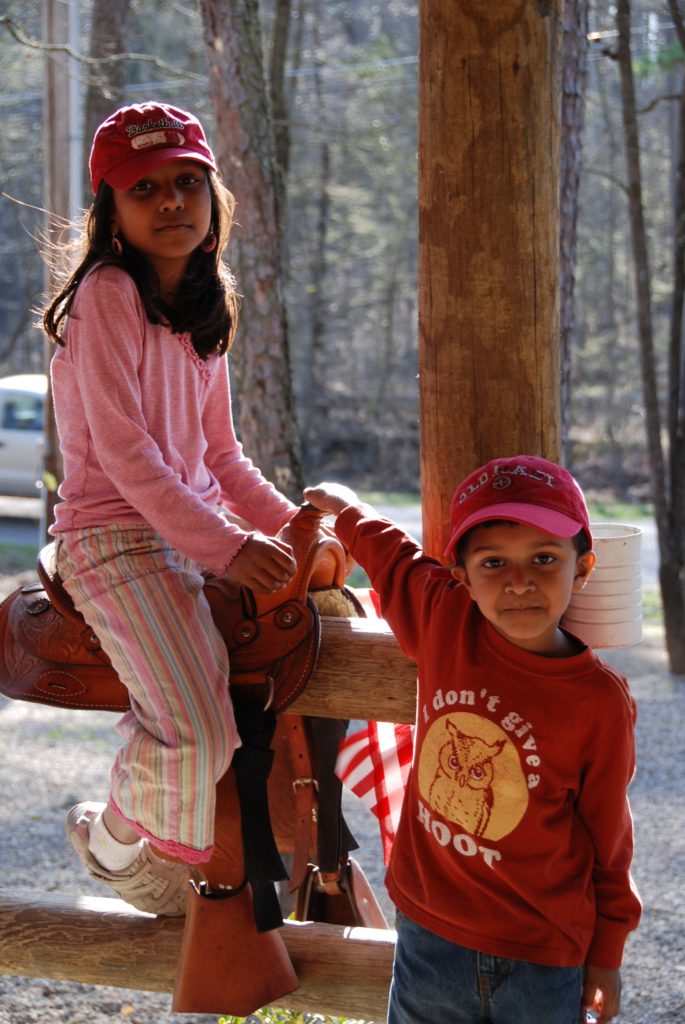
(263, 564)
(331, 497)
(602, 992)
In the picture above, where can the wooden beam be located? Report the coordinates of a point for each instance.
(489, 112)
(100, 941)
(361, 673)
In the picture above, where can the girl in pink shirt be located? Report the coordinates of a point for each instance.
(151, 463)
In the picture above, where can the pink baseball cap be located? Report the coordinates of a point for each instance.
(523, 489)
(136, 139)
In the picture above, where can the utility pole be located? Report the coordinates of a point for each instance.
(62, 186)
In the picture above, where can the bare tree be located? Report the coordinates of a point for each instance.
(280, 101)
(246, 155)
(108, 79)
(667, 487)
(676, 376)
(314, 396)
(574, 76)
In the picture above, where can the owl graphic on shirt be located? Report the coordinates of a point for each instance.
(462, 787)
(470, 773)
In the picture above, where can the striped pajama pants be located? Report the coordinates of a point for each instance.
(144, 601)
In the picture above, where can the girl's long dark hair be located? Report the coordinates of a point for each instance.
(206, 302)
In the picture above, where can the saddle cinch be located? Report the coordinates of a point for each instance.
(279, 797)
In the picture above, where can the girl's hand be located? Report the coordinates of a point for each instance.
(602, 992)
(263, 563)
(331, 497)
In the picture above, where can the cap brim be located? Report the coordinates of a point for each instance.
(546, 519)
(127, 173)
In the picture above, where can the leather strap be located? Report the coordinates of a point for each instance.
(305, 790)
(334, 839)
(252, 763)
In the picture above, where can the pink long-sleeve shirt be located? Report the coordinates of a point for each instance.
(146, 430)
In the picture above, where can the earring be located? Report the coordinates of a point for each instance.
(117, 247)
(209, 244)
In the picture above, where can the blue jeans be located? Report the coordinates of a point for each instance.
(437, 982)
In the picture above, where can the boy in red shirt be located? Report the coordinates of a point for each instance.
(510, 870)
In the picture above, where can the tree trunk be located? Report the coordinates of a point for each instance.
(315, 403)
(245, 153)
(669, 532)
(574, 76)
(608, 313)
(676, 366)
(106, 86)
(676, 393)
(315, 396)
(279, 103)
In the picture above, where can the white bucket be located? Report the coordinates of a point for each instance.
(606, 635)
(607, 612)
(621, 575)
(599, 616)
(584, 602)
(608, 588)
(617, 544)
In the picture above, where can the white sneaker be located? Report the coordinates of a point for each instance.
(150, 883)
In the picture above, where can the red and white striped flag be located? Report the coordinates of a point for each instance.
(374, 763)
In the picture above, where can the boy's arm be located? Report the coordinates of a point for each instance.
(398, 569)
(602, 805)
(602, 992)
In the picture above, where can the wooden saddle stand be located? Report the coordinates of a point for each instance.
(279, 797)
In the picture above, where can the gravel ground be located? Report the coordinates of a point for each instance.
(52, 759)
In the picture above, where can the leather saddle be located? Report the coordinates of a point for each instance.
(50, 655)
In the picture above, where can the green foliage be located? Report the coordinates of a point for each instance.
(15, 558)
(359, 579)
(616, 511)
(666, 58)
(599, 510)
(652, 608)
(396, 499)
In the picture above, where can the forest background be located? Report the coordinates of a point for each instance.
(325, 247)
(350, 224)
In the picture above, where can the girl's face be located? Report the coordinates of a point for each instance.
(166, 215)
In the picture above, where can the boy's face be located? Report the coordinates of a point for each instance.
(522, 580)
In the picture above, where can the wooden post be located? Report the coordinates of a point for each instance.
(489, 111)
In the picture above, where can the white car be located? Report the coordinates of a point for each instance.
(22, 416)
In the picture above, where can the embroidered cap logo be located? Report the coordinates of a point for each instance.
(538, 493)
(136, 139)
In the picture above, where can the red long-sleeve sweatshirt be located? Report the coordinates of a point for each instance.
(516, 834)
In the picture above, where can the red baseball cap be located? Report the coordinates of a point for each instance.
(136, 139)
(523, 489)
